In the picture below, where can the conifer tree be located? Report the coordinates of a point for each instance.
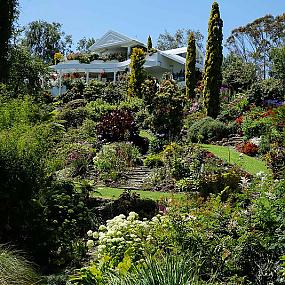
(137, 75)
(213, 63)
(149, 43)
(190, 67)
(8, 12)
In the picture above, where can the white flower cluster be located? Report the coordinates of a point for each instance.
(256, 141)
(128, 235)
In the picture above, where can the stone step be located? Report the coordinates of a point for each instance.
(140, 177)
(137, 173)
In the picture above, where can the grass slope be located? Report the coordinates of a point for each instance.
(249, 164)
(114, 193)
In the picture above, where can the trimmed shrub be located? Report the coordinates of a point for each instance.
(153, 161)
(207, 129)
(72, 117)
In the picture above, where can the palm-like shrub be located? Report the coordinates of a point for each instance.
(15, 269)
(168, 271)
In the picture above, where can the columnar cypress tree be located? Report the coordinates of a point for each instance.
(213, 63)
(149, 43)
(190, 68)
(137, 75)
(8, 11)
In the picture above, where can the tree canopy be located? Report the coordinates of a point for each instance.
(84, 44)
(8, 13)
(44, 39)
(254, 41)
(179, 39)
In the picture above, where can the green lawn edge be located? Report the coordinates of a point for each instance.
(250, 164)
(114, 193)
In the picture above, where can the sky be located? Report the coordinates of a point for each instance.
(140, 18)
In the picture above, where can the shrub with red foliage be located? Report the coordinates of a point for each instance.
(247, 148)
(270, 112)
(239, 120)
(116, 125)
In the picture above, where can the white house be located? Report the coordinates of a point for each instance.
(113, 44)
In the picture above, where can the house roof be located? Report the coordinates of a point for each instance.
(112, 38)
(174, 57)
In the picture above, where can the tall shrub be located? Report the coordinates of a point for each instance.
(8, 11)
(137, 75)
(213, 63)
(149, 43)
(190, 67)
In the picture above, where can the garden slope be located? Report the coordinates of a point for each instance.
(249, 164)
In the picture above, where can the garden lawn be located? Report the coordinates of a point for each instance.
(247, 163)
(114, 193)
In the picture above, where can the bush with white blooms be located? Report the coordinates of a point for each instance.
(129, 236)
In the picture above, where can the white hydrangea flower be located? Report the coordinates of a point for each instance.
(102, 228)
(90, 233)
(96, 235)
(90, 243)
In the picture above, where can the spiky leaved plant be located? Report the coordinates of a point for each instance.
(15, 269)
(169, 270)
(190, 67)
(213, 63)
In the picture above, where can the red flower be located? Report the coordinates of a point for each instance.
(239, 120)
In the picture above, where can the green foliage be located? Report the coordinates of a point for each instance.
(149, 89)
(109, 92)
(26, 72)
(167, 111)
(15, 269)
(266, 89)
(207, 129)
(137, 75)
(249, 164)
(84, 44)
(190, 70)
(9, 11)
(254, 41)
(169, 270)
(22, 155)
(178, 39)
(278, 64)
(153, 160)
(234, 109)
(257, 122)
(21, 111)
(113, 159)
(149, 44)
(72, 117)
(213, 63)
(128, 236)
(65, 217)
(96, 109)
(43, 39)
(237, 73)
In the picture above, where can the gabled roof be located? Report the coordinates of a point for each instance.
(182, 50)
(174, 57)
(112, 38)
(176, 50)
